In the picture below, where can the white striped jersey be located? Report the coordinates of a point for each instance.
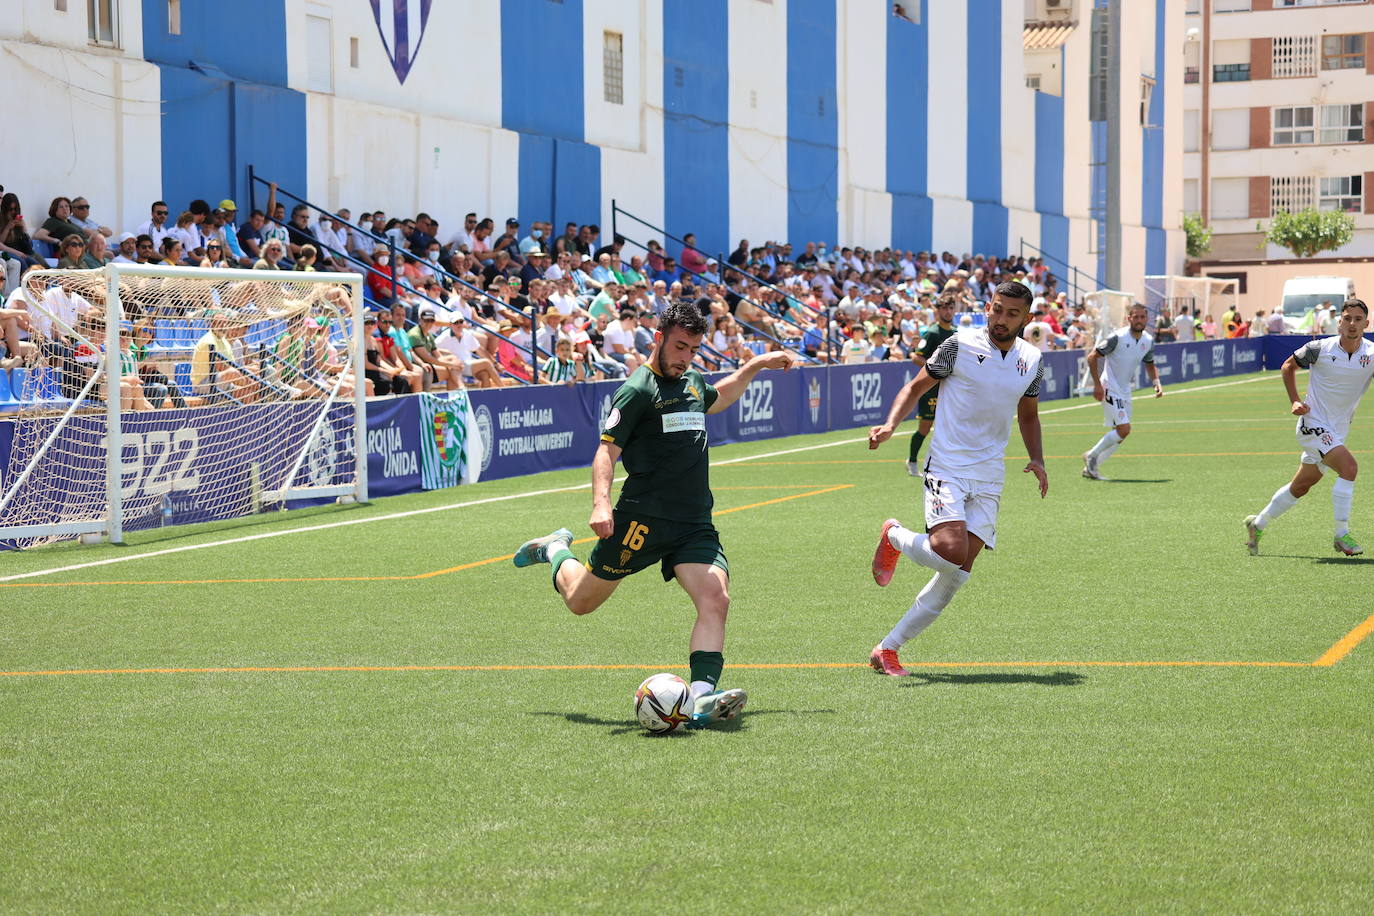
(980, 388)
(1124, 353)
(1336, 382)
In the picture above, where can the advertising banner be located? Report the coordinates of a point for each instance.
(393, 446)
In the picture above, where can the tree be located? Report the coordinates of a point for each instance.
(1311, 231)
(1199, 235)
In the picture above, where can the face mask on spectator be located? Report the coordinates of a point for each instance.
(384, 260)
(434, 256)
(538, 233)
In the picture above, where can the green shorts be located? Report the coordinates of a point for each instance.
(639, 542)
(925, 407)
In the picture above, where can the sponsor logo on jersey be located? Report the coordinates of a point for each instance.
(684, 421)
(625, 557)
(612, 419)
(1364, 360)
(981, 357)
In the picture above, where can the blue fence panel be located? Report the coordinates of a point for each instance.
(393, 446)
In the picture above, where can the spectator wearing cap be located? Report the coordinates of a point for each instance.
(462, 345)
(128, 248)
(509, 242)
(443, 366)
(81, 218)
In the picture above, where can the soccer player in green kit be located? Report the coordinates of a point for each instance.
(925, 408)
(657, 427)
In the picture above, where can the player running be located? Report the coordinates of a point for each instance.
(925, 408)
(985, 376)
(657, 427)
(1340, 370)
(1123, 352)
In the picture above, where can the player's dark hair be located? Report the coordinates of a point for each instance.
(1353, 303)
(1013, 290)
(947, 299)
(682, 315)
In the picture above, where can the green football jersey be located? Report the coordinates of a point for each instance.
(931, 340)
(660, 426)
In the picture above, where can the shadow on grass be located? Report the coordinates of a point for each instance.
(1338, 561)
(1056, 679)
(1139, 480)
(627, 726)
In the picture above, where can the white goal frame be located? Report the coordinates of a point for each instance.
(111, 527)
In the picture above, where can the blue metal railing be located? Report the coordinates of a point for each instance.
(499, 306)
(1071, 275)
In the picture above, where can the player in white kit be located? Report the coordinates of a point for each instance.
(1340, 371)
(985, 377)
(1123, 353)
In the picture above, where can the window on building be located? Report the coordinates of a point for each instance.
(103, 26)
(59, 5)
(353, 53)
(1231, 60)
(1295, 55)
(1033, 81)
(1192, 7)
(1147, 89)
(1231, 6)
(1192, 132)
(1190, 195)
(1192, 51)
(1342, 52)
(1230, 198)
(1344, 192)
(1291, 193)
(173, 17)
(1098, 67)
(1230, 128)
(613, 67)
(1230, 73)
(319, 54)
(1293, 126)
(1342, 123)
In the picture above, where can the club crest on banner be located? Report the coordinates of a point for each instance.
(813, 399)
(401, 25)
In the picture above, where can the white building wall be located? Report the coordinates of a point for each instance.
(758, 121)
(947, 101)
(607, 124)
(635, 176)
(82, 120)
(865, 214)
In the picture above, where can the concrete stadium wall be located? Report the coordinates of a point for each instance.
(795, 119)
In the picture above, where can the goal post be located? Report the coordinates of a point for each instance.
(154, 395)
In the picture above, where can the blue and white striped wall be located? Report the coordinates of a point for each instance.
(800, 120)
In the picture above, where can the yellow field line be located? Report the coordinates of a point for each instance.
(772, 666)
(424, 575)
(1346, 643)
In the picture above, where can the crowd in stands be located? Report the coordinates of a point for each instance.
(477, 306)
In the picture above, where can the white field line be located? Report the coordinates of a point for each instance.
(166, 551)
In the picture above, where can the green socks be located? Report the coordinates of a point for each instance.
(706, 667)
(916, 440)
(556, 559)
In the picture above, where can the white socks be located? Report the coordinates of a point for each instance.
(917, 547)
(929, 603)
(1283, 501)
(701, 688)
(1106, 446)
(1342, 495)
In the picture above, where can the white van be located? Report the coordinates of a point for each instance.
(1303, 294)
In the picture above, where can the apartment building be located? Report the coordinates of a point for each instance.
(1278, 114)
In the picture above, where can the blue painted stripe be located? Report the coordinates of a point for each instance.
(1152, 159)
(1054, 241)
(908, 76)
(541, 67)
(1097, 201)
(1049, 181)
(813, 127)
(696, 109)
(536, 181)
(576, 184)
(984, 131)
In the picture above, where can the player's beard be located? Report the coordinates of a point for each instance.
(1001, 333)
(667, 371)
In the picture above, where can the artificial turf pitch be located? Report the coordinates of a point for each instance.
(444, 736)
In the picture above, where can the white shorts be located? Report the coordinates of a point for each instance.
(973, 502)
(1316, 440)
(1116, 408)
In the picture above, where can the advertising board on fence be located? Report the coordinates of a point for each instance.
(526, 430)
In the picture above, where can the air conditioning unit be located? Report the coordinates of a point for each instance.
(1052, 2)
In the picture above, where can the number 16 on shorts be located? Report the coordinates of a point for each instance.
(634, 536)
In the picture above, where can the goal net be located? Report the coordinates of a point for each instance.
(151, 396)
(1201, 296)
